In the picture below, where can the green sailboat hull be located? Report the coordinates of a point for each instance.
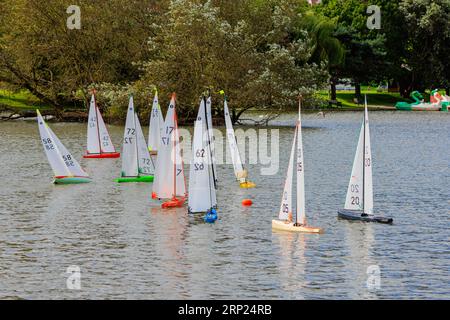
(135, 179)
(71, 180)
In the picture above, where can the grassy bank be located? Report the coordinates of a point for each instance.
(24, 100)
(374, 98)
(21, 100)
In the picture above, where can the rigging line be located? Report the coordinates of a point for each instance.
(298, 127)
(98, 128)
(364, 159)
(174, 152)
(136, 137)
(209, 143)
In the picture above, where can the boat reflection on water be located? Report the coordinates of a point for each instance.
(359, 259)
(169, 235)
(292, 263)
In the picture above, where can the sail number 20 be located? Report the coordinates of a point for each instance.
(354, 188)
(355, 200)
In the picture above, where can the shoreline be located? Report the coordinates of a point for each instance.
(11, 114)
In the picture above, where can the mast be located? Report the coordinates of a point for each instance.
(98, 127)
(136, 137)
(298, 124)
(174, 150)
(209, 147)
(209, 142)
(364, 155)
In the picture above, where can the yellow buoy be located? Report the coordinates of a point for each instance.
(247, 185)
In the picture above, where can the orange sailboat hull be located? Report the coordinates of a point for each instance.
(174, 203)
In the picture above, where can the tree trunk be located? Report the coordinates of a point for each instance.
(358, 91)
(402, 89)
(447, 91)
(333, 89)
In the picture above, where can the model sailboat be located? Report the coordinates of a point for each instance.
(137, 166)
(169, 176)
(359, 200)
(156, 125)
(286, 221)
(99, 143)
(239, 171)
(202, 192)
(65, 167)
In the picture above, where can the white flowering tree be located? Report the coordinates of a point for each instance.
(246, 50)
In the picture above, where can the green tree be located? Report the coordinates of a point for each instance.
(427, 42)
(38, 52)
(365, 58)
(327, 47)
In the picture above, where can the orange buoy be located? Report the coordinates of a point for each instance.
(247, 202)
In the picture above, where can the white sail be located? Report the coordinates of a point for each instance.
(354, 199)
(202, 194)
(156, 125)
(211, 136)
(98, 139)
(286, 201)
(161, 185)
(169, 175)
(180, 182)
(360, 192)
(62, 162)
(145, 163)
(130, 154)
(368, 192)
(93, 140)
(234, 150)
(105, 140)
(301, 214)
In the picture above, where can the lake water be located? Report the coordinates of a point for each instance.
(127, 247)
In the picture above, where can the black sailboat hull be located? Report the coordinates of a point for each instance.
(357, 215)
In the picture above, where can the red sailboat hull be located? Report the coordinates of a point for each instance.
(108, 155)
(173, 203)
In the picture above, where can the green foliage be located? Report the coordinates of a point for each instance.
(263, 53)
(245, 47)
(428, 41)
(327, 46)
(365, 49)
(411, 48)
(38, 52)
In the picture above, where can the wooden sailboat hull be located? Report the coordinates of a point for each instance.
(109, 155)
(135, 179)
(283, 226)
(358, 215)
(71, 180)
